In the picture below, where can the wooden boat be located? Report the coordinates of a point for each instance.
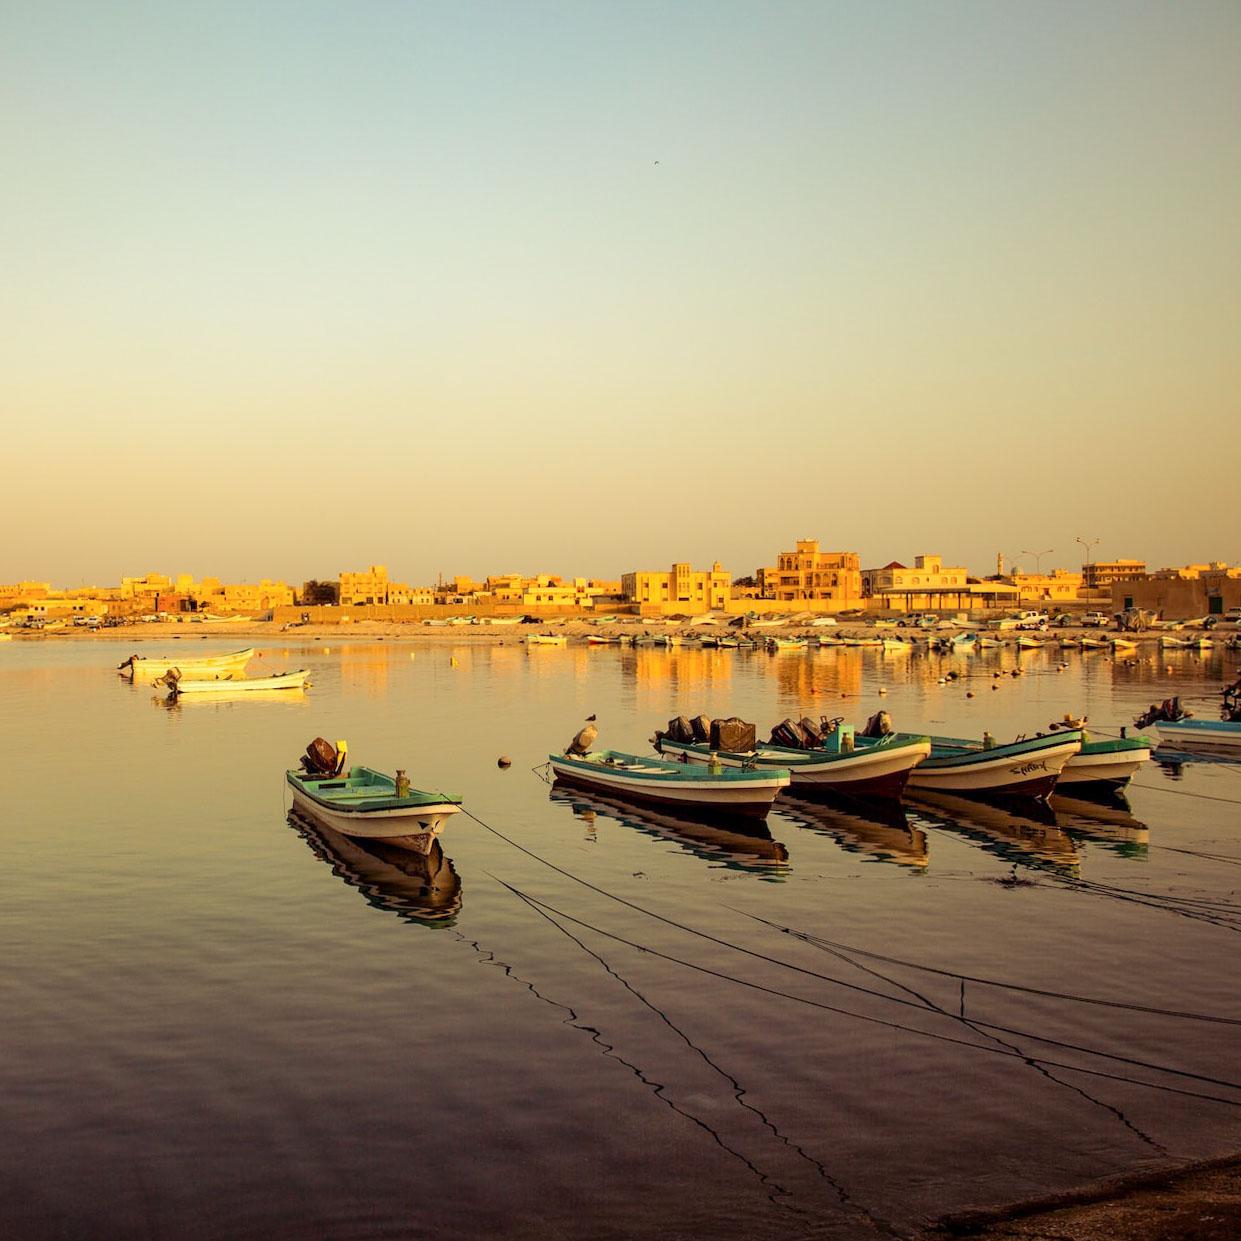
(1104, 762)
(874, 767)
(546, 639)
(281, 681)
(706, 791)
(1191, 733)
(198, 667)
(1025, 768)
(1026, 643)
(366, 805)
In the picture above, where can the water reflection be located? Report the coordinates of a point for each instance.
(176, 702)
(747, 847)
(1014, 836)
(423, 889)
(880, 831)
(1109, 823)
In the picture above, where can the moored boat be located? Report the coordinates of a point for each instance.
(724, 791)
(863, 767)
(1188, 733)
(367, 804)
(141, 668)
(1028, 767)
(546, 639)
(1104, 762)
(281, 681)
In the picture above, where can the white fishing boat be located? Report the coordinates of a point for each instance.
(141, 668)
(367, 804)
(1028, 767)
(897, 644)
(546, 639)
(240, 685)
(705, 790)
(786, 644)
(1187, 733)
(1109, 762)
(1025, 643)
(1093, 644)
(1123, 644)
(1167, 642)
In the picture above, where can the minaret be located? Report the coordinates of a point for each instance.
(999, 564)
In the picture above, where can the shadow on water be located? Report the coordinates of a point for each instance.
(1014, 832)
(425, 890)
(1104, 821)
(879, 830)
(744, 845)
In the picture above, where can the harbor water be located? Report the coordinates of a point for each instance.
(577, 1018)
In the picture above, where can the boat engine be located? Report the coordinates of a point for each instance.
(1170, 710)
(323, 759)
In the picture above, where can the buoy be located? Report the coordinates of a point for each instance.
(882, 691)
(411, 654)
(452, 661)
(969, 693)
(504, 761)
(994, 685)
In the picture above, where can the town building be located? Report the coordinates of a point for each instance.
(929, 584)
(1058, 586)
(1100, 574)
(808, 574)
(682, 589)
(1179, 594)
(371, 586)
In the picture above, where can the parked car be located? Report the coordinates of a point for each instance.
(918, 620)
(1232, 616)
(1096, 620)
(1031, 620)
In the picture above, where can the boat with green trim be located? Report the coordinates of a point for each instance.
(715, 789)
(1104, 763)
(1027, 767)
(846, 763)
(368, 804)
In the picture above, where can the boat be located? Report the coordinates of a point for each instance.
(826, 639)
(963, 641)
(1026, 643)
(546, 639)
(221, 685)
(897, 644)
(786, 644)
(713, 790)
(141, 668)
(1123, 644)
(1190, 733)
(989, 643)
(1089, 643)
(598, 639)
(858, 767)
(367, 804)
(1167, 642)
(1027, 767)
(1104, 762)
(1070, 642)
(6, 637)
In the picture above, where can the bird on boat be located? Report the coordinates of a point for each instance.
(585, 738)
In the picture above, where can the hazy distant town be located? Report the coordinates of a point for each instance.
(803, 580)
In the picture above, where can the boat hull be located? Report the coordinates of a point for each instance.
(728, 797)
(1102, 768)
(1009, 771)
(878, 772)
(407, 829)
(204, 667)
(1190, 733)
(284, 682)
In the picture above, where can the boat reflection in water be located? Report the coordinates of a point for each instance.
(880, 830)
(420, 888)
(745, 845)
(1108, 822)
(178, 702)
(1015, 834)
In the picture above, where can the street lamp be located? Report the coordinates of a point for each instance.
(1087, 577)
(1038, 558)
(1088, 544)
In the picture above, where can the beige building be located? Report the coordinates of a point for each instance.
(928, 584)
(1102, 573)
(808, 574)
(1058, 586)
(682, 589)
(371, 586)
(1178, 594)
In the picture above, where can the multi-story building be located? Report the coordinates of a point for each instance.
(929, 583)
(371, 586)
(1100, 574)
(680, 589)
(1058, 586)
(808, 574)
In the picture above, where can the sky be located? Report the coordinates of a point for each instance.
(290, 288)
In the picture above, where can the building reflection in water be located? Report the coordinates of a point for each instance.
(879, 830)
(660, 674)
(365, 668)
(747, 847)
(421, 889)
(826, 673)
(1017, 832)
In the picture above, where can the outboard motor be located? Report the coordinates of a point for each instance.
(879, 725)
(323, 759)
(1170, 710)
(584, 739)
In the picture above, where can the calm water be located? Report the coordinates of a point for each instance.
(218, 1023)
